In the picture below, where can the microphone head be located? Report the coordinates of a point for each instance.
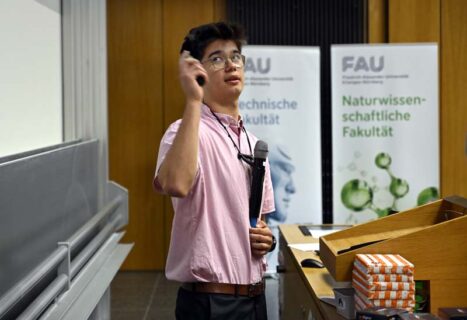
(261, 150)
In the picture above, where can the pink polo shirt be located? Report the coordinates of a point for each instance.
(210, 231)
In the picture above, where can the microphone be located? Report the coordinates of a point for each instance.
(259, 168)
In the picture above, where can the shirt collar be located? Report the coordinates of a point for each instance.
(226, 119)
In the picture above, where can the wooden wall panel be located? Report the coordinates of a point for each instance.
(414, 20)
(135, 121)
(178, 19)
(441, 21)
(454, 97)
(220, 10)
(377, 21)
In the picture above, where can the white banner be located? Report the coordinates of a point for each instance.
(280, 104)
(385, 129)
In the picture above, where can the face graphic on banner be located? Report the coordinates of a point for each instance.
(282, 169)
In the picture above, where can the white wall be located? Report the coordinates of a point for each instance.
(30, 75)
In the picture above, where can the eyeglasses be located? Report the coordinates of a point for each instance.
(219, 62)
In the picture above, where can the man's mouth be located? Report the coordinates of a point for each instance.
(233, 80)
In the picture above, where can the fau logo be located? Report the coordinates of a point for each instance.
(261, 65)
(362, 64)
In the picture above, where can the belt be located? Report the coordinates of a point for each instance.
(249, 290)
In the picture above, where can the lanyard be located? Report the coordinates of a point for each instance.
(245, 157)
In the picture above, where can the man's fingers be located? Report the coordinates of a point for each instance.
(188, 62)
(259, 246)
(263, 232)
(260, 238)
(186, 56)
(259, 252)
(261, 224)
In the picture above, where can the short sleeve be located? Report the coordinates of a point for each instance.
(268, 192)
(164, 147)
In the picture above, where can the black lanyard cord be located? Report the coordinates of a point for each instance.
(245, 157)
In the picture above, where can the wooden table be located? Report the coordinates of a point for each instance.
(301, 287)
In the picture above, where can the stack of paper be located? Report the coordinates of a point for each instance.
(383, 280)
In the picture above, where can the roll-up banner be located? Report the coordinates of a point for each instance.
(385, 129)
(280, 104)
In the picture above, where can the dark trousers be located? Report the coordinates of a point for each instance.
(212, 306)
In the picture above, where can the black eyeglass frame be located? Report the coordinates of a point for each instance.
(225, 62)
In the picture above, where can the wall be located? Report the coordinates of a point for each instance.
(144, 38)
(453, 36)
(440, 21)
(30, 75)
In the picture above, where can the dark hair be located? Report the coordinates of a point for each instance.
(200, 37)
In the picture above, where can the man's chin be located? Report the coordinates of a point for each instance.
(280, 218)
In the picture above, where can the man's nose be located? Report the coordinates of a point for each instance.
(290, 187)
(229, 65)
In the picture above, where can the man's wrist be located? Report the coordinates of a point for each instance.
(274, 244)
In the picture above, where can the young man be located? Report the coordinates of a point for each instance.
(202, 164)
